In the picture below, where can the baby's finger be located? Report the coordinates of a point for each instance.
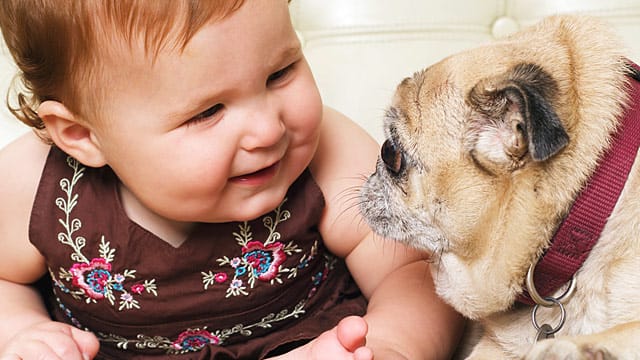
(72, 344)
(88, 344)
(363, 353)
(352, 332)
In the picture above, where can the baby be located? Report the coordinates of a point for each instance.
(189, 196)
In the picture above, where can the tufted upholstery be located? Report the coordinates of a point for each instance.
(360, 49)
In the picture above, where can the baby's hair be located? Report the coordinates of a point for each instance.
(58, 44)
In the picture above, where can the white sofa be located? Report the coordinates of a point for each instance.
(360, 49)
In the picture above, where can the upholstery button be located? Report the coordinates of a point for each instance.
(504, 26)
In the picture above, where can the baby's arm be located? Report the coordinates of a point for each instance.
(405, 316)
(26, 330)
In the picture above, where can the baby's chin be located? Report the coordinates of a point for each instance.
(249, 209)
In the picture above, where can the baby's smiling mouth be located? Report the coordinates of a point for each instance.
(258, 177)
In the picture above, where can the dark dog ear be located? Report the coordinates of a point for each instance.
(517, 107)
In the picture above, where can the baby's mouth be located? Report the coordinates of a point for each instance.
(257, 177)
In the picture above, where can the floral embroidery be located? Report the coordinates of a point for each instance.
(137, 288)
(194, 339)
(257, 260)
(92, 280)
(95, 278)
(264, 260)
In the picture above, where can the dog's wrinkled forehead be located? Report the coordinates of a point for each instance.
(500, 115)
(426, 106)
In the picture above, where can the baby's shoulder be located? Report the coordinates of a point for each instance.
(21, 164)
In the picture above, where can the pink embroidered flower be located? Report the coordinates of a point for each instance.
(137, 288)
(194, 340)
(119, 278)
(235, 262)
(220, 277)
(264, 260)
(92, 278)
(236, 284)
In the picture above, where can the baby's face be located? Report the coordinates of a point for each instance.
(219, 131)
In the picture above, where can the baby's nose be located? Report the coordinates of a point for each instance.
(264, 131)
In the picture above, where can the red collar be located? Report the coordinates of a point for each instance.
(581, 228)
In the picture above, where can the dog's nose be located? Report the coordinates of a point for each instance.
(392, 157)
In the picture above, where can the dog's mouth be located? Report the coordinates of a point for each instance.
(383, 203)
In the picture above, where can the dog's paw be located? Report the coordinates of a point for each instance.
(565, 349)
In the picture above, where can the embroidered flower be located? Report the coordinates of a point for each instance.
(126, 297)
(92, 278)
(236, 284)
(220, 277)
(235, 262)
(259, 261)
(94, 281)
(194, 340)
(119, 278)
(236, 288)
(137, 288)
(264, 260)
(128, 302)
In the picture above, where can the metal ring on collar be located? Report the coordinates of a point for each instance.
(563, 316)
(535, 296)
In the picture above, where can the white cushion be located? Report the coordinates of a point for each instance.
(360, 50)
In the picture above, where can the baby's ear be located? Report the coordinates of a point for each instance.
(70, 135)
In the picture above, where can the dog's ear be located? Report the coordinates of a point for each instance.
(513, 115)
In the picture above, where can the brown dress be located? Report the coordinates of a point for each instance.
(241, 290)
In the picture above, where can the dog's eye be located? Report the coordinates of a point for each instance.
(392, 157)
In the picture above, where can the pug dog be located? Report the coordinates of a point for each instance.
(490, 156)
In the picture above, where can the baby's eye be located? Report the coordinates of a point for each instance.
(280, 74)
(207, 114)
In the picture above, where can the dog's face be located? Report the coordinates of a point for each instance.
(485, 152)
(454, 144)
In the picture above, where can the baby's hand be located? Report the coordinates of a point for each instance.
(345, 341)
(51, 340)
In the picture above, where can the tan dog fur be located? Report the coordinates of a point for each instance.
(474, 190)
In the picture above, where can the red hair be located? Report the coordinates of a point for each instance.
(58, 44)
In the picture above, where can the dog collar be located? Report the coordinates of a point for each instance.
(581, 228)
